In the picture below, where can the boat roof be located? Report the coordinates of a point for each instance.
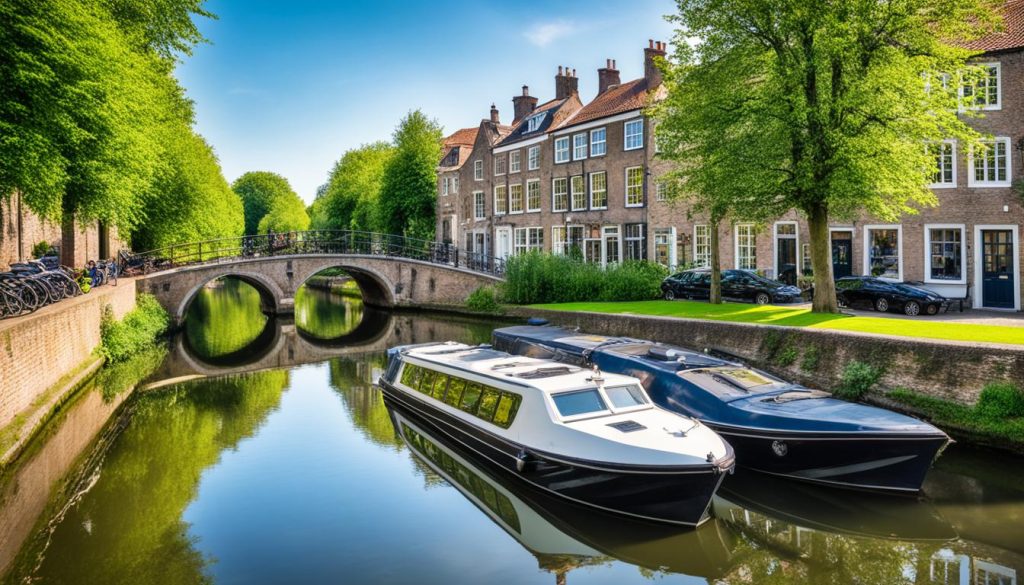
(547, 376)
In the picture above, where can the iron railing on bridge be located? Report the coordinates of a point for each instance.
(309, 242)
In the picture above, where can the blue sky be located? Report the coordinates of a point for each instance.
(289, 86)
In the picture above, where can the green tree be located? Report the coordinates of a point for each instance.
(825, 107)
(263, 192)
(409, 189)
(353, 190)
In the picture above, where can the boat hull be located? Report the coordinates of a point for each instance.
(674, 495)
(871, 461)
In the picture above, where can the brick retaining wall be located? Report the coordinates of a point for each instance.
(37, 350)
(817, 357)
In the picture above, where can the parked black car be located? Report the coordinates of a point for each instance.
(736, 284)
(883, 296)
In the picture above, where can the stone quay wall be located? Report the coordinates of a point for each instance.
(39, 349)
(949, 370)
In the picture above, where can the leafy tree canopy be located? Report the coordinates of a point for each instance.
(409, 188)
(826, 107)
(352, 192)
(262, 192)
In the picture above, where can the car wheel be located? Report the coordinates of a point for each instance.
(882, 305)
(762, 298)
(912, 309)
(932, 309)
(670, 295)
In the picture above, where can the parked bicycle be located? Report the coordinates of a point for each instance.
(27, 286)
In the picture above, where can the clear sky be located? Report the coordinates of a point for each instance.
(290, 86)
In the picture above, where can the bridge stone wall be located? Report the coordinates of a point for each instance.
(385, 281)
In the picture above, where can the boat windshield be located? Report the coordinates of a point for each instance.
(579, 402)
(625, 396)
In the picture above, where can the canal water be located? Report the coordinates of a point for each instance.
(258, 451)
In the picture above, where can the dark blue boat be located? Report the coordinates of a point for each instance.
(774, 426)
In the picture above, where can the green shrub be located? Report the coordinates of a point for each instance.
(1000, 400)
(787, 356)
(484, 300)
(547, 278)
(136, 332)
(810, 361)
(858, 378)
(41, 249)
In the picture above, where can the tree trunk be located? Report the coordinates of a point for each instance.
(716, 263)
(821, 260)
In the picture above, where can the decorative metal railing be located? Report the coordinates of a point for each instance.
(309, 242)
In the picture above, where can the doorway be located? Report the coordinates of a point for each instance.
(786, 252)
(502, 242)
(997, 269)
(842, 253)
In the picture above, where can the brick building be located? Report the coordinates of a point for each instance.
(586, 175)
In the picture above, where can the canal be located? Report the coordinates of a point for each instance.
(257, 450)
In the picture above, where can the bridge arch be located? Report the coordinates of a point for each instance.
(270, 292)
(376, 289)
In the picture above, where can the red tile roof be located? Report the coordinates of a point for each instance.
(631, 95)
(465, 136)
(1012, 35)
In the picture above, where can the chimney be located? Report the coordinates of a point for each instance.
(607, 76)
(565, 83)
(651, 72)
(494, 115)
(523, 105)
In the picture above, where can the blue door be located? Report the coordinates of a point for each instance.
(997, 275)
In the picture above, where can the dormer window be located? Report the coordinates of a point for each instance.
(533, 122)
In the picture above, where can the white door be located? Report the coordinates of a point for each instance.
(502, 242)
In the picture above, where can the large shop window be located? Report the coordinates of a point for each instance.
(636, 241)
(701, 246)
(883, 252)
(746, 247)
(945, 254)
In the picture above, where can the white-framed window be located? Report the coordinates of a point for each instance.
(478, 170)
(990, 165)
(787, 251)
(562, 149)
(578, 192)
(533, 195)
(611, 249)
(560, 194)
(444, 186)
(513, 161)
(499, 164)
(598, 142)
(533, 158)
(455, 184)
(515, 198)
(500, 200)
(598, 191)
(665, 247)
(635, 241)
(635, 187)
(945, 164)
(945, 254)
(558, 240)
(533, 122)
(479, 205)
(575, 243)
(579, 146)
(882, 251)
(660, 190)
(701, 245)
(746, 247)
(985, 91)
(527, 239)
(634, 134)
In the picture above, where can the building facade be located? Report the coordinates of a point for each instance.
(567, 176)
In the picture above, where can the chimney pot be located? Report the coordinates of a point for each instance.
(522, 105)
(650, 43)
(526, 90)
(494, 115)
(607, 77)
(651, 72)
(559, 69)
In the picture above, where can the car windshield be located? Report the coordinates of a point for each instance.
(579, 402)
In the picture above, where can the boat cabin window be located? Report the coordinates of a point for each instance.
(579, 402)
(732, 382)
(625, 396)
(484, 402)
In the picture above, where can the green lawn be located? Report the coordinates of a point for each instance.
(801, 317)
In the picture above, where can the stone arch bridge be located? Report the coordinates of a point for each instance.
(391, 271)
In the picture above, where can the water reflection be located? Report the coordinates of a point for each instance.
(225, 318)
(285, 466)
(327, 315)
